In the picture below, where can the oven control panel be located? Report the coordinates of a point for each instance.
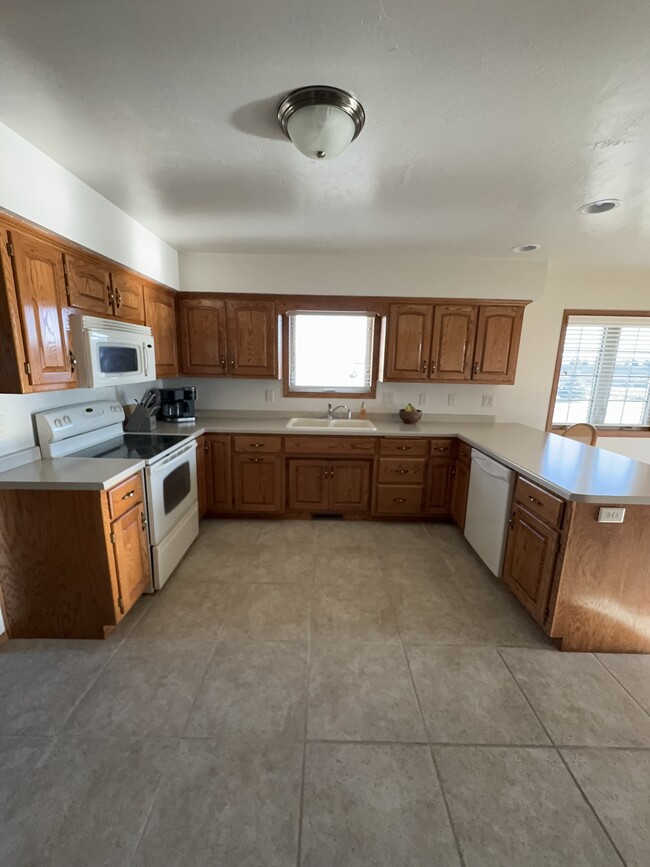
(54, 426)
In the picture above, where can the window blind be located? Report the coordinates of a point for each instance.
(605, 372)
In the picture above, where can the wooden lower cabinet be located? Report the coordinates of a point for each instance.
(132, 561)
(459, 490)
(438, 487)
(202, 449)
(218, 471)
(258, 483)
(322, 485)
(530, 560)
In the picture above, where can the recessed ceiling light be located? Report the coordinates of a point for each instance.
(526, 248)
(600, 206)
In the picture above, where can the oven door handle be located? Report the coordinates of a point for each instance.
(175, 456)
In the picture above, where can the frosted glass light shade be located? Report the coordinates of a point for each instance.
(321, 132)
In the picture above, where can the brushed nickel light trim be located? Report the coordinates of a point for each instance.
(319, 94)
(526, 248)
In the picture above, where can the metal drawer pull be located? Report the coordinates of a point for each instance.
(129, 496)
(403, 448)
(256, 460)
(399, 499)
(533, 500)
(403, 472)
(257, 445)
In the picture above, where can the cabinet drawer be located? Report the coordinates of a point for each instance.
(398, 500)
(403, 470)
(329, 445)
(464, 453)
(441, 448)
(546, 506)
(125, 495)
(411, 447)
(257, 444)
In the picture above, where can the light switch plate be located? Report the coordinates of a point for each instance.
(451, 400)
(388, 398)
(423, 399)
(611, 516)
(488, 400)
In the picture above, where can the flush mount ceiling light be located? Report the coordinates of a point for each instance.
(526, 248)
(600, 206)
(321, 121)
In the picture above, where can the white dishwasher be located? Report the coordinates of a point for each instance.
(488, 505)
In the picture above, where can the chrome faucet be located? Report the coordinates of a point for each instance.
(330, 411)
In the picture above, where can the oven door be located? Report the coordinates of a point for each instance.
(116, 357)
(171, 490)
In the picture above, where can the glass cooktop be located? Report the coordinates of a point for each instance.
(142, 447)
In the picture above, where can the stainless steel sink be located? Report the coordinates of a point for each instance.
(329, 424)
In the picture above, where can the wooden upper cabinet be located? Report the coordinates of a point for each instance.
(128, 297)
(252, 338)
(408, 342)
(202, 328)
(160, 315)
(89, 285)
(497, 343)
(452, 347)
(40, 290)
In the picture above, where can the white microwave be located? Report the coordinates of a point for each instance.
(110, 352)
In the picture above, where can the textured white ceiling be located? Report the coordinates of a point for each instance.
(488, 123)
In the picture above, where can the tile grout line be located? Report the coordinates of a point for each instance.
(622, 685)
(89, 687)
(301, 803)
(561, 758)
(430, 752)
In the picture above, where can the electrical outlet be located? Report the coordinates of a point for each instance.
(423, 399)
(451, 400)
(388, 398)
(611, 516)
(269, 395)
(488, 400)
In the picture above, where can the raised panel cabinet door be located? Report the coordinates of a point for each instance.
(40, 286)
(438, 490)
(408, 342)
(257, 483)
(88, 284)
(132, 561)
(219, 473)
(308, 489)
(497, 343)
(531, 554)
(452, 346)
(252, 338)
(459, 489)
(202, 329)
(160, 315)
(349, 483)
(128, 297)
(202, 449)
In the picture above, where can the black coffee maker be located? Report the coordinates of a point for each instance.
(177, 404)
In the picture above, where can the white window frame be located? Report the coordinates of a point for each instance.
(601, 385)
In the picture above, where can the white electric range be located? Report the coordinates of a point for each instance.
(94, 430)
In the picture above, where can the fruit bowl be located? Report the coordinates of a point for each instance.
(411, 417)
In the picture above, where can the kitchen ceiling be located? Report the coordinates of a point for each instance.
(488, 124)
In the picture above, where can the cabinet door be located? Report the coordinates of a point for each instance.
(452, 347)
(308, 485)
(40, 286)
(131, 548)
(203, 336)
(408, 342)
(529, 566)
(160, 315)
(459, 489)
(128, 297)
(88, 284)
(252, 338)
(202, 449)
(257, 483)
(497, 343)
(219, 473)
(439, 487)
(349, 483)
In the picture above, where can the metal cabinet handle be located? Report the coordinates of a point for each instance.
(110, 296)
(143, 522)
(223, 361)
(118, 298)
(402, 472)
(433, 367)
(399, 499)
(512, 521)
(256, 460)
(533, 500)
(325, 474)
(424, 366)
(232, 362)
(73, 362)
(476, 367)
(257, 445)
(129, 496)
(403, 448)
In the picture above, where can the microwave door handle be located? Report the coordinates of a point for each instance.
(145, 355)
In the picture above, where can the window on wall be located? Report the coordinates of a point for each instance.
(603, 373)
(331, 354)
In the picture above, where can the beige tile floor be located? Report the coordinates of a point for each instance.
(324, 694)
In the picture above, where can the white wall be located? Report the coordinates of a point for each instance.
(35, 187)
(562, 287)
(363, 274)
